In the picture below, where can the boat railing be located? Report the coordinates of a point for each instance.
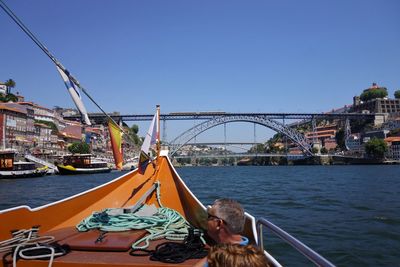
(292, 241)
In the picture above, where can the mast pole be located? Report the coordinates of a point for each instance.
(158, 144)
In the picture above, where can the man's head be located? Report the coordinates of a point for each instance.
(225, 215)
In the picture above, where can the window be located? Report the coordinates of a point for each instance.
(6, 163)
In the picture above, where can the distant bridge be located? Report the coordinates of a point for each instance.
(213, 119)
(241, 155)
(228, 143)
(99, 118)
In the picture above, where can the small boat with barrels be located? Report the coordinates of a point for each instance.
(81, 164)
(11, 169)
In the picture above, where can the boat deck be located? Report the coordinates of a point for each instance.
(84, 250)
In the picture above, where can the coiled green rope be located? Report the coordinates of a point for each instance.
(166, 223)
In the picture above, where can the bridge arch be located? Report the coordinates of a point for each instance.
(292, 134)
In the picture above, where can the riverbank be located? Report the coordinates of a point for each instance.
(340, 160)
(285, 161)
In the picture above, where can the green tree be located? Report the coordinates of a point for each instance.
(52, 125)
(376, 148)
(324, 150)
(10, 97)
(397, 94)
(394, 132)
(10, 83)
(133, 134)
(369, 94)
(184, 161)
(259, 148)
(340, 139)
(134, 128)
(361, 125)
(205, 161)
(79, 148)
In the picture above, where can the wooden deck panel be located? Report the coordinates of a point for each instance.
(95, 258)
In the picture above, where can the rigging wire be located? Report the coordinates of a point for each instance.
(20, 24)
(26, 30)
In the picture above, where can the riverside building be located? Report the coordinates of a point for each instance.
(394, 147)
(16, 126)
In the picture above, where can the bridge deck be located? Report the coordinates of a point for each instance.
(97, 117)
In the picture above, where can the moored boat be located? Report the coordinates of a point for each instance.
(81, 164)
(130, 164)
(11, 169)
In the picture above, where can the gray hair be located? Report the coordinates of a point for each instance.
(232, 213)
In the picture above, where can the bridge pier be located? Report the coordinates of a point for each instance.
(380, 118)
(318, 146)
(193, 161)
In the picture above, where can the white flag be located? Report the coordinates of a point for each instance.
(151, 139)
(151, 136)
(76, 96)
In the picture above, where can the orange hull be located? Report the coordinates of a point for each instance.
(60, 218)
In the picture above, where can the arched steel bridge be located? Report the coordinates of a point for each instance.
(213, 119)
(190, 134)
(222, 143)
(243, 155)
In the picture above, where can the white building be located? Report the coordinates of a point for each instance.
(3, 88)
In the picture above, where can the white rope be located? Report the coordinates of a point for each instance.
(51, 255)
(24, 238)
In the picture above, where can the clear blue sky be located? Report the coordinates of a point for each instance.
(233, 56)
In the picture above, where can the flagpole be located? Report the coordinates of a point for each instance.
(155, 162)
(158, 145)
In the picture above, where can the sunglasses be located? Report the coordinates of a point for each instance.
(212, 217)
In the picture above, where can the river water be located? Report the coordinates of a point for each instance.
(349, 214)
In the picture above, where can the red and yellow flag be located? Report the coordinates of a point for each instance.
(116, 143)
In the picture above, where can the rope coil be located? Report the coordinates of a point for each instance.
(165, 223)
